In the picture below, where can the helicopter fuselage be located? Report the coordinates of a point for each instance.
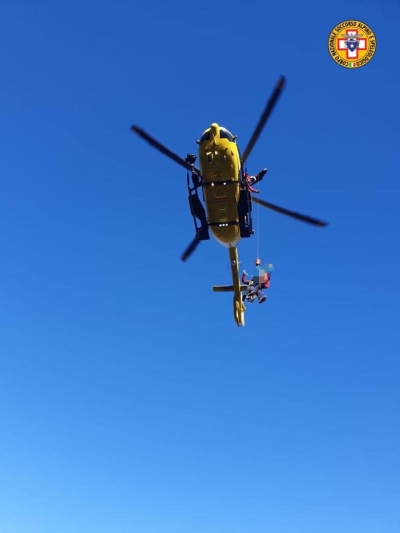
(220, 167)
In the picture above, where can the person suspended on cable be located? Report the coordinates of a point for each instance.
(255, 287)
(252, 180)
(259, 282)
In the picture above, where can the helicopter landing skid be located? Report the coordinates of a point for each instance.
(197, 211)
(244, 212)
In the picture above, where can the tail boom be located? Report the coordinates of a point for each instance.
(238, 305)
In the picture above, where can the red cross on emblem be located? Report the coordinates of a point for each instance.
(352, 54)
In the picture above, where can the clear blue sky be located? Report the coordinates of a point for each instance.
(130, 402)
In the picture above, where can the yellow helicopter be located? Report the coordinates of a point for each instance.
(225, 192)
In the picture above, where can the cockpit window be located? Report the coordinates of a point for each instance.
(225, 134)
(205, 137)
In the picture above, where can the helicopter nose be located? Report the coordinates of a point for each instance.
(214, 131)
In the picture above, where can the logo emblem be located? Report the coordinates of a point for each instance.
(352, 44)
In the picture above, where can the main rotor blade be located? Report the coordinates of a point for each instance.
(264, 117)
(293, 214)
(163, 149)
(190, 249)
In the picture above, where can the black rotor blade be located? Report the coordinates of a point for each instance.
(163, 149)
(264, 117)
(190, 249)
(293, 214)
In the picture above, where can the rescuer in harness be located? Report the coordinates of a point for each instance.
(252, 180)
